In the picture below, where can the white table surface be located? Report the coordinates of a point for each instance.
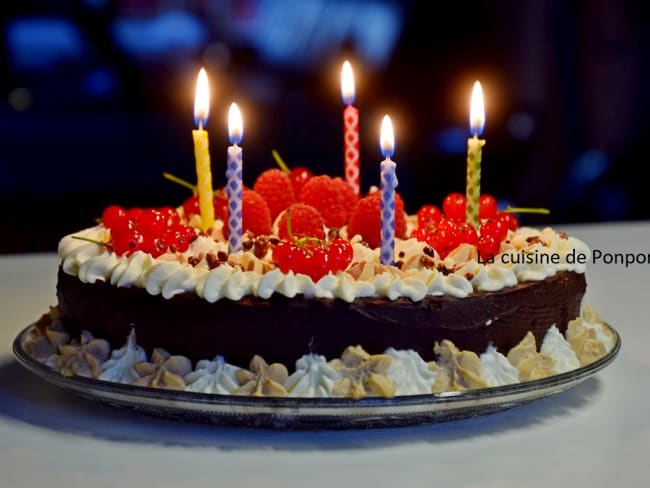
(595, 434)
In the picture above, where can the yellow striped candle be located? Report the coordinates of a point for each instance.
(474, 155)
(202, 153)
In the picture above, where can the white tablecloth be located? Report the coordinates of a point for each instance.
(596, 434)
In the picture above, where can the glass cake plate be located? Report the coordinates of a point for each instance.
(312, 413)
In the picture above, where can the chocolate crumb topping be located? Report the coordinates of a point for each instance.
(260, 246)
(427, 262)
(212, 260)
(332, 234)
(534, 240)
(429, 251)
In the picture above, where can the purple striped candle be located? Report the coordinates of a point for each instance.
(234, 184)
(388, 185)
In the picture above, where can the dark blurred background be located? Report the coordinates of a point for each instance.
(98, 99)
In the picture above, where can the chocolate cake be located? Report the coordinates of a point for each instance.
(301, 293)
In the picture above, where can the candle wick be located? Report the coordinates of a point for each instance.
(200, 124)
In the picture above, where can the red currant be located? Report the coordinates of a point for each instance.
(170, 215)
(134, 213)
(466, 234)
(112, 214)
(220, 202)
(316, 265)
(315, 259)
(191, 206)
(154, 245)
(178, 237)
(508, 220)
(439, 240)
(339, 254)
(299, 176)
(151, 222)
(446, 224)
(488, 247)
(282, 255)
(494, 228)
(454, 206)
(429, 214)
(420, 234)
(487, 207)
(126, 242)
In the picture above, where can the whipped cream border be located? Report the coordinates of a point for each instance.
(420, 275)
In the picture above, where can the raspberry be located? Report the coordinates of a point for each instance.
(350, 198)
(365, 219)
(305, 221)
(276, 188)
(256, 213)
(256, 217)
(324, 194)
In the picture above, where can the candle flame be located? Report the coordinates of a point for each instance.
(477, 111)
(387, 138)
(235, 124)
(202, 99)
(347, 83)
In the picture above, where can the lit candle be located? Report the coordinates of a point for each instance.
(350, 128)
(234, 185)
(388, 185)
(474, 148)
(201, 152)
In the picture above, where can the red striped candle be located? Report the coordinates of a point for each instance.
(350, 128)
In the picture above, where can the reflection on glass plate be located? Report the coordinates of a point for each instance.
(326, 413)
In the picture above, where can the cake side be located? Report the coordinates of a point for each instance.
(282, 329)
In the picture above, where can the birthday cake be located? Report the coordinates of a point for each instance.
(300, 286)
(308, 309)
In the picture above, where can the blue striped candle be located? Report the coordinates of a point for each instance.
(234, 185)
(388, 185)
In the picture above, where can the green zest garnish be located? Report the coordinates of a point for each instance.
(280, 162)
(189, 185)
(93, 241)
(542, 211)
(180, 181)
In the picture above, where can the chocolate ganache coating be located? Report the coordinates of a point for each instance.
(282, 329)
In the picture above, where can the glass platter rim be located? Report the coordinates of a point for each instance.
(288, 410)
